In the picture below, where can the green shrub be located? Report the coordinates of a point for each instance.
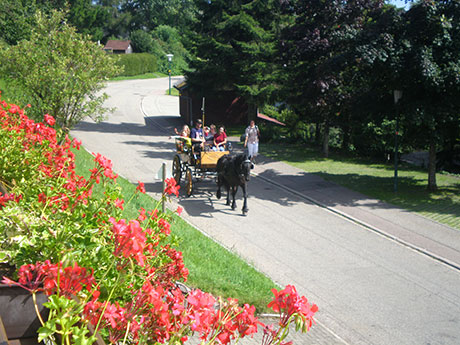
(135, 64)
(58, 71)
(142, 41)
(167, 40)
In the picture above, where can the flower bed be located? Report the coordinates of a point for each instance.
(106, 275)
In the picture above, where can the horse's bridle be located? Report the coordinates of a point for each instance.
(246, 161)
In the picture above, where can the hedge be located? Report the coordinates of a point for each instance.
(137, 63)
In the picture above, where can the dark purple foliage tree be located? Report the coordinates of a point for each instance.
(319, 59)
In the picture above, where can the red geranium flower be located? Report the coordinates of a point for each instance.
(50, 120)
(140, 187)
(171, 186)
(119, 203)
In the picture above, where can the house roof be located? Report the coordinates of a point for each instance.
(117, 45)
(270, 119)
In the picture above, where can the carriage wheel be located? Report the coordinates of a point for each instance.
(177, 169)
(188, 182)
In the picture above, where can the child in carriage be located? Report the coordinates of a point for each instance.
(185, 131)
(182, 138)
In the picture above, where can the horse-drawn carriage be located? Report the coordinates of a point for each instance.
(192, 165)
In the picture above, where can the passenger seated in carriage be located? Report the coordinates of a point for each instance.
(185, 131)
(197, 136)
(220, 140)
(183, 141)
(209, 133)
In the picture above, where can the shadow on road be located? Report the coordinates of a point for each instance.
(331, 194)
(153, 126)
(204, 203)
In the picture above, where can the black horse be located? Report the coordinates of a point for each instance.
(232, 172)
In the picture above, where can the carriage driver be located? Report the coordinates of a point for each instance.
(197, 136)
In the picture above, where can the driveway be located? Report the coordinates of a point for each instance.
(370, 289)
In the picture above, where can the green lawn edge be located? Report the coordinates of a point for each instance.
(376, 180)
(152, 75)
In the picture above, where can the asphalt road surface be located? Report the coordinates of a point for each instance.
(369, 289)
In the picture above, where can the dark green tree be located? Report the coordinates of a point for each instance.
(377, 54)
(430, 75)
(233, 48)
(148, 14)
(98, 18)
(416, 51)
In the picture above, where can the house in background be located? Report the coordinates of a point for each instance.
(118, 47)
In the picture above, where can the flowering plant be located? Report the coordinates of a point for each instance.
(106, 277)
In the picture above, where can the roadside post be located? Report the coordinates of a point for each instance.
(202, 111)
(397, 96)
(170, 56)
(162, 175)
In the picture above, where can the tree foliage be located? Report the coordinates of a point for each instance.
(318, 49)
(233, 48)
(418, 52)
(16, 20)
(59, 71)
(330, 64)
(142, 41)
(149, 14)
(430, 75)
(167, 40)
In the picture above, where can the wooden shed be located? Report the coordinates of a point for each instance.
(225, 108)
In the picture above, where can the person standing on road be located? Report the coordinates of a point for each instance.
(252, 140)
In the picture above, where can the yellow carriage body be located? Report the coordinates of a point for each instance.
(189, 163)
(209, 159)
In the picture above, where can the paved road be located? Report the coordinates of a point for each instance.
(370, 289)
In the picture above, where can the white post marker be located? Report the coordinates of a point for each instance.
(163, 174)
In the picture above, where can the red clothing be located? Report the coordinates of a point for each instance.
(220, 137)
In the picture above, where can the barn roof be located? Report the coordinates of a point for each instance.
(181, 85)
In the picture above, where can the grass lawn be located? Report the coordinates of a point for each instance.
(376, 180)
(212, 268)
(174, 91)
(141, 76)
(235, 131)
